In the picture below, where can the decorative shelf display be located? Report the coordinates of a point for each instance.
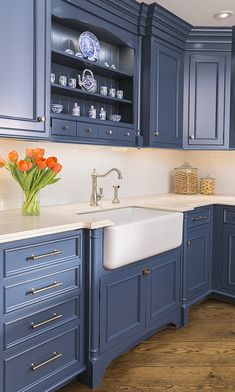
(91, 68)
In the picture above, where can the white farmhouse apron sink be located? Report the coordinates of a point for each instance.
(138, 233)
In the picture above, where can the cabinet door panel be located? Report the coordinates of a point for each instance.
(122, 312)
(23, 75)
(197, 261)
(228, 268)
(166, 80)
(163, 287)
(205, 101)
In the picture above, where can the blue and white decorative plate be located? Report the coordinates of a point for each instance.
(89, 46)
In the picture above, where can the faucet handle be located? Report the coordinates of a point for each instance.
(115, 195)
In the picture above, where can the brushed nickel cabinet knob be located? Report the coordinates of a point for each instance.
(41, 119)
(146, 271)
(109, 132)
(65, 127)
(191, 137)
(157, 133)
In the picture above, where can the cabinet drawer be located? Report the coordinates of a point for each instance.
(199, 217)
(24, 258)
(108, 132)
(63, 127)
(34, 324)
(87, 130)
(126, 134)
(35, 290)
(229, 216)
(30, 367)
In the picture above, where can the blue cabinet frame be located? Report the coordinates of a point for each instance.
(25, 67)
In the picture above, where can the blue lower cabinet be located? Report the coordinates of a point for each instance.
(197, 260)
(228, 265)
(41, 312)
(122, 312)
(162, 296)
(129, 304)
(223, 283)
(32, 366)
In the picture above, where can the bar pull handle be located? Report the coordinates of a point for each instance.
(199, 218)
(55, 285)
(54, 253)
(53, 318)
(53, 358)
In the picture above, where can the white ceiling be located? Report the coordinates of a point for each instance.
(199, 12)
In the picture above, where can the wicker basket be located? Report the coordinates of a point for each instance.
(186, 180)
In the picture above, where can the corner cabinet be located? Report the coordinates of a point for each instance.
(24, 107)
(207, 100)
(162, 94)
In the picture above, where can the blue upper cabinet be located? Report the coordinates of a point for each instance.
(207, 90)
(207, 97)
(23, 103)
(162, 77)
(232, 111)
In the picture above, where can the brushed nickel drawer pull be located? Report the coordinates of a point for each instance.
(54, 253)
(127, 134)
(88, 130)
(53, 318)
(199, 218)
(54, 357)
(109, 132)
(40, 290)
(65, 127)
(189, 242)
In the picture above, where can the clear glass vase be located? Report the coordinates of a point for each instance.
(31, 204)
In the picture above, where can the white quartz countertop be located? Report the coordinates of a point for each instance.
(56, 219)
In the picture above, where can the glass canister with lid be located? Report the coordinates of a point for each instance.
(186, 180)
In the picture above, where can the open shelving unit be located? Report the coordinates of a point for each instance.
(65, 35)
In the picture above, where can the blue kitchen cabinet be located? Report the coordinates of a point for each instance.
(127, 304)
(197, 260)
(24, 76)
(122, 312)
(228, 267)
(162, 77)
(224, 252)
(207, 100)
(162, 111)
(163, 288)
(120, 49)
(41, 312)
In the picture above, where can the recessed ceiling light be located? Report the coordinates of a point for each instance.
(224, 15)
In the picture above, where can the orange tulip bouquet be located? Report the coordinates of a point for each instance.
(32, 173)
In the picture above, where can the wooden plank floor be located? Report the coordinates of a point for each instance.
(198, 358)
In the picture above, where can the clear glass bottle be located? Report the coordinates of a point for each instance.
(92, 112)
(76, 111)
(102, 114)
(186, 180)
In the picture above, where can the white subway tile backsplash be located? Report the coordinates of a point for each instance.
(145, 171)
